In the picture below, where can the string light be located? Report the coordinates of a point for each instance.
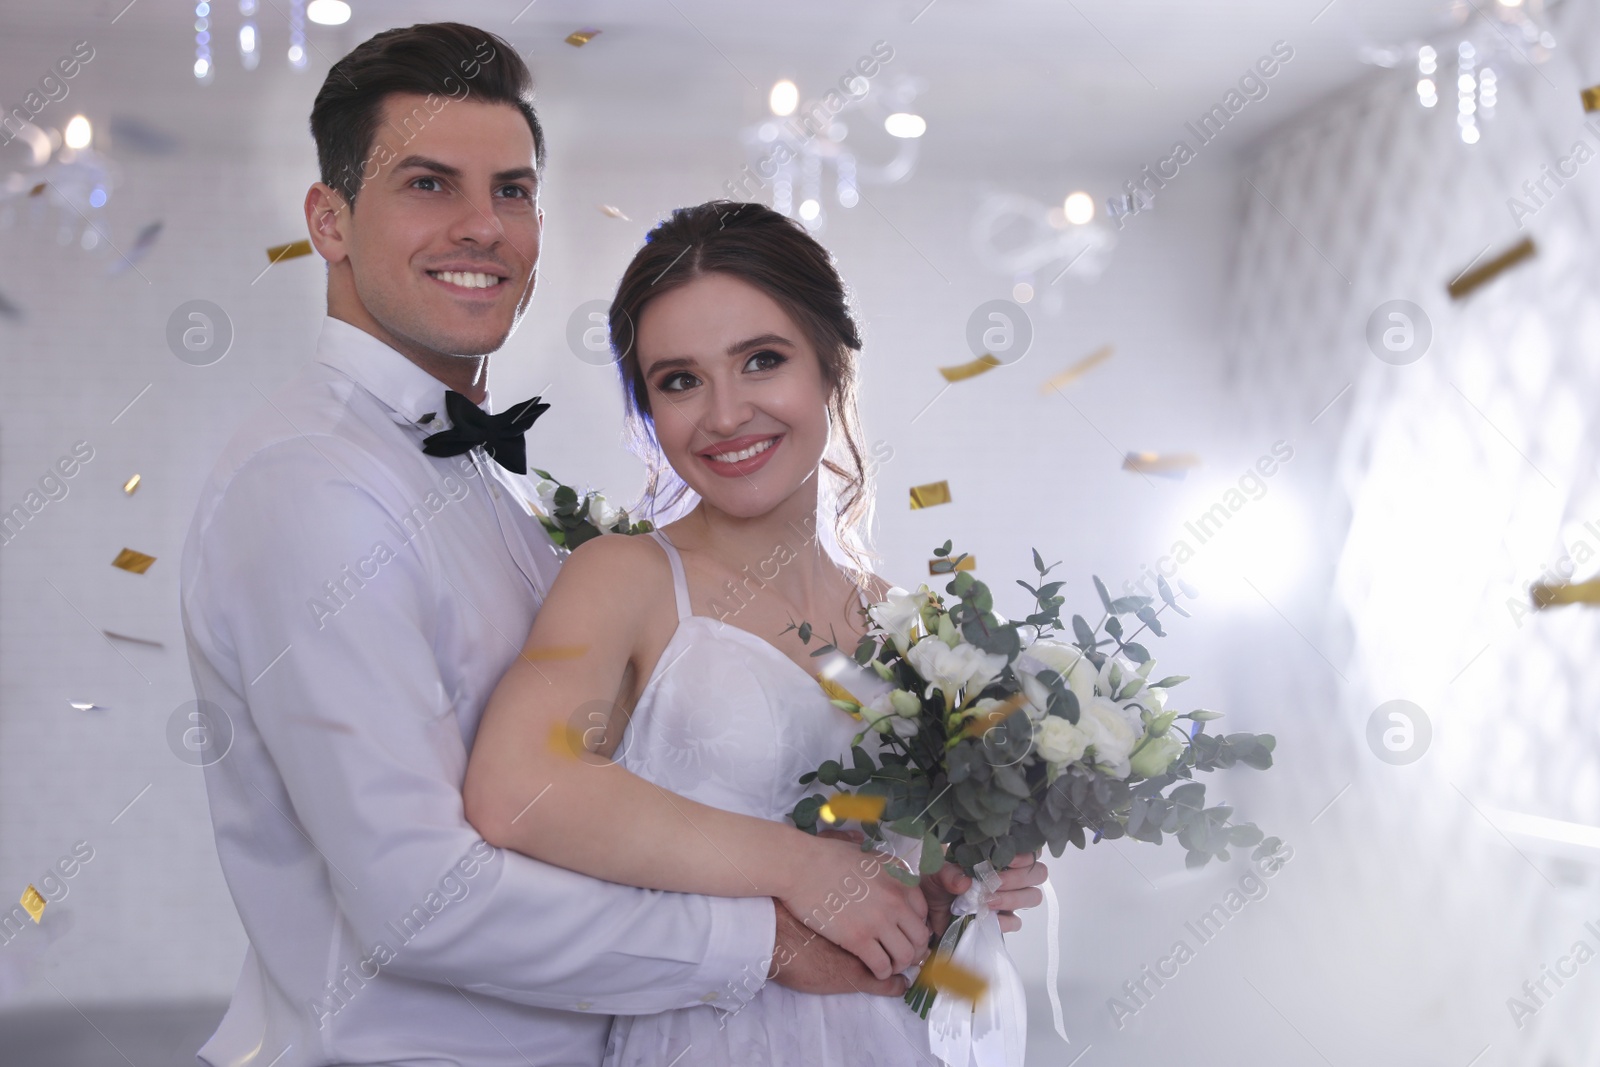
(202, 43)
(297, 34)
(249, 38)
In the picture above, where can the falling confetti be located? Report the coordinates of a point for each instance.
(1476, 278)
(8, 310)
(78, 705)
(1078, 369)
(130, 485)
(550, 652)
(947, 976)
(38, 190)
(566, 741)
(129, 560)
(138, 250)
(836, 691)
(579, 38)
(947, 566)
(981, 724)
(1172, 465)
(1557, 593)
(33, 902)
(842, 806)
(963, 371)
(130, 637)
(292, 250)
(1591, 98)
(926, 496)
(614, 212)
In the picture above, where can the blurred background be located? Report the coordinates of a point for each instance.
(1370, 267)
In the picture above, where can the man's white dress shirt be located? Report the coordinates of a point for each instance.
(349, 604)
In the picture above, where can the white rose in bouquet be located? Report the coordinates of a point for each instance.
(1155, 756)
(1058, 741)
(964, 668)
(900, 616)
(1069, 662)
(1107, 728)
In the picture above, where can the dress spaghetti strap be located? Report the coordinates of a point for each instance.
(680, 585)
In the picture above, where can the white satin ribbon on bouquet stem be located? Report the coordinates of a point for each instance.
(993, 1031)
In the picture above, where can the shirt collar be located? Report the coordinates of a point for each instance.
(399, 384)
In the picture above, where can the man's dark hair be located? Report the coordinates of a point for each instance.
(446, 60)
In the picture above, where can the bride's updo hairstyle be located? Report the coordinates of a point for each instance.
(768, 250)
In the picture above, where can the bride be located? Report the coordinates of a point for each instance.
(662, 700)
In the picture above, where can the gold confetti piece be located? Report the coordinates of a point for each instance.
(926, 496)
(1172, 464)
(980, 724)
(579, 38)
(947, 976)
(291, 250)
(32, 901)
(130, 637)
(1478, 277)
(1078, 369)
(549, 652)
(130, 485)
(963, 371)
(129, 560)
(566, 740)
(1548, 596)
(614, 212)
(843, 806)
(1591, 98)
(78, 705)
(38, 190)
(825, 813)
(836, 691)
(947, 566)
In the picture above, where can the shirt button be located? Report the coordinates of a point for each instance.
(708, 998)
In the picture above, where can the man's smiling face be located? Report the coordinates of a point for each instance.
(443, 242)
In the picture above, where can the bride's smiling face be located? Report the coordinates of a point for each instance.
(736, 392)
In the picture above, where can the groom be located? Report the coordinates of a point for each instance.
(350, 601)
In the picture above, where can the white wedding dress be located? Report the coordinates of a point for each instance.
(728, 720)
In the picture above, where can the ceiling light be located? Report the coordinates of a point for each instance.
(78, 132)
(784, 98)
(905, 124)
(1079, 208)
(328, 12)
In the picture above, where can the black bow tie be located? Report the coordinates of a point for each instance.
(500, 435)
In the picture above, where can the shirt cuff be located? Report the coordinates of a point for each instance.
(743, 930)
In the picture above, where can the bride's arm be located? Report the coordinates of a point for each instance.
(526, 790)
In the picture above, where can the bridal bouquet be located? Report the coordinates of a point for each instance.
(572, 518)
(998, 738)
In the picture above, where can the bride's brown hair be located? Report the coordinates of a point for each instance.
(772, 252)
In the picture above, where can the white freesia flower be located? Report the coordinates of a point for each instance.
(1108, 730)
(1117, 672)
(905, 703)
(884, 713)
(953, 670)
(900, 615)
(602, 513)
(1058, 741)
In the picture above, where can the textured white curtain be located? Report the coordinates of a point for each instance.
(1448, 484)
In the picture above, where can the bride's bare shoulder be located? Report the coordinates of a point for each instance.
(626, 567)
